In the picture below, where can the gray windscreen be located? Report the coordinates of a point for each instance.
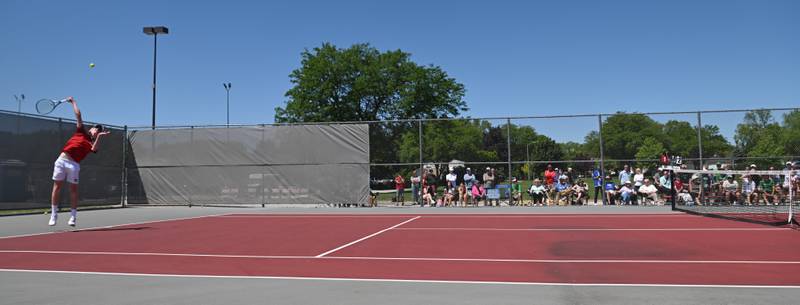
(303, 164)
(30, 147)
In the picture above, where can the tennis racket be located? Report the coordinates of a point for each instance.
(45, 106)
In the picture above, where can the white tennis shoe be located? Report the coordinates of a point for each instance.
(52, 221)
(71, 221)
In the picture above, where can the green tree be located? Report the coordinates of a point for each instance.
(624, 133)
(791, 133)
(768, 144)
(650, 149)
(447, 140)
(361, 83)
(751, 128)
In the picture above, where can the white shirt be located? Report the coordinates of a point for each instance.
(638, 179)
(730, 186)
(626, 189)
(648, 189)
(748, 186)
(537, 189)
(451, 177)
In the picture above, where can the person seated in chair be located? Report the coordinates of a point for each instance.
(730, 190)
(610, 190)
(537, 192)
(478, 193)
(627, 193)
(563, 191)
(648, 192)
(581, 192)
(516, 192)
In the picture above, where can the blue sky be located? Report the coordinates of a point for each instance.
(515, 58)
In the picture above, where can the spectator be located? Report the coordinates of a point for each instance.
(462, 194)
(627, 194)
(415, 186)
(665, 183)
(449, 197)
(570, 176)
(678, 185)
(787, 179)
(516, 192)
(549, 176)
(755, 178)
(638, 179)
(624, 175)
(610, 190)
(682, 192)
(469, 178)
(648, 191)
(730, 189)
(428, 198)
(478, 193)
(430, 180)
(400, 186)
(451, 180)
(749, 190)
(581, 191)
(488, 178)
(563, 191)
(770, 191)
(537, 192)
(598, 183)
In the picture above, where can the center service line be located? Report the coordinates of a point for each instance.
(366, 237)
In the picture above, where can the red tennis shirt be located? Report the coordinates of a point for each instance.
(79, 145)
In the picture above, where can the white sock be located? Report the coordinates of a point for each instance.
(53, 210)
(73, 212)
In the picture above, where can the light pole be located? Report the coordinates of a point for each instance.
(20, 99)
(155, 30)
(227, 103)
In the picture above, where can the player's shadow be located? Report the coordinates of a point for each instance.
(114, 229)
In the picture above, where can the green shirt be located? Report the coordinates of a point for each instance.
(767, 184)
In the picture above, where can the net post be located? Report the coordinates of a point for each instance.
(792, 219)
(123, 181)
(672, 188)
(602, 157)
(421, 165)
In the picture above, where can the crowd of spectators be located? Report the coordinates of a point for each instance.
(744, 189)
(628, 186)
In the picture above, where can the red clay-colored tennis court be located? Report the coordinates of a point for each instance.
(573, 249)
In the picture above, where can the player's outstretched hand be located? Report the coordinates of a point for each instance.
(105, 133)
(70, 100)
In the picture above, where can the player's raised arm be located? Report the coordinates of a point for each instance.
(77, 111)
(97, 139)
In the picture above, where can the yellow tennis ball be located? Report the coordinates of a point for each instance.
(91, 65)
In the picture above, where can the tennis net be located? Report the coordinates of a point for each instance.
(767, 196)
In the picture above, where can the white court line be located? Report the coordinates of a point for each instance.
(395, 280)
(467, 215)
(366, 237)
(159, 254)
(314, 216)
(598, 229)
(491, 260)
(112, 226)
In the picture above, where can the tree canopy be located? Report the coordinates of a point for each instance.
(361, 83)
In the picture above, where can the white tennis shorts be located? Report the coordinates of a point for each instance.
(68, 170)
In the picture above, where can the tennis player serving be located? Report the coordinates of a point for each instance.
(67, 166)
